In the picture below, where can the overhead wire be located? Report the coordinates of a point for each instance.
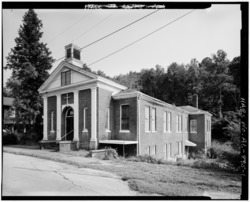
(141, 38)
(71, 26)
(82, 34)
(113, 32)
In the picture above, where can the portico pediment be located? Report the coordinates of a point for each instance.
(74, 75)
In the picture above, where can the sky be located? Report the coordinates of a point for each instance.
(197, 35)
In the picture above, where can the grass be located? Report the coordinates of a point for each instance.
(163, 179)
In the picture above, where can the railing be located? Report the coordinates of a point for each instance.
(65, 135)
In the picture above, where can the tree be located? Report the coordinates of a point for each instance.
(217, 82)
(6, 92)
(174, 85)
(29, 61)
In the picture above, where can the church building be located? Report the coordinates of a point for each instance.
(85, 111)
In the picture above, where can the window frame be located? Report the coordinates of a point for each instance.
(153, 153)
(148, 120)
(165, 128)
(107, 124)
(169, 122)
(192, 126)
(153, 120)
(66, 78)
(52, 121)
(124, 130)
(179, 148)
(84, 128)
(168, 150)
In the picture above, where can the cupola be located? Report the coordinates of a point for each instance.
(73, 55)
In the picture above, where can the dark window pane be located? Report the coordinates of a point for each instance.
(125, 117)
(125, 111)
(68, 77)
(125, 124)
(77, 54)
(69, 53)
(63, 79)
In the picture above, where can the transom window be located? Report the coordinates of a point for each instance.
(124, 117)
(66, 78)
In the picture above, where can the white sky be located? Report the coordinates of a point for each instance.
(197, 35)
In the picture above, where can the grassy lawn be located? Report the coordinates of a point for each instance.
(172, 180)
(167, 180)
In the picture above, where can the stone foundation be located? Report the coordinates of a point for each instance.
(66, 146)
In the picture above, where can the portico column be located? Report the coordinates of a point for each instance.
(58, 117)
(45, 118)
(76, 115)
(93, 140)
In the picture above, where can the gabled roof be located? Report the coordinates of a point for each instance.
(8, 101)
(128, 93)
(194, 110)
(80, 71)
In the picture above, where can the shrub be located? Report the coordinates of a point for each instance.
(110, 154)
(225, 153)
(9, 138)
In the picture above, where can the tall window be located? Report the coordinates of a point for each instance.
(66, 78)
(178, 123)
(153, 152)
(186, 124)
(168, 150)
(107, 124)
(85, 120)
(169, 120)
(179, 148)
(125, 117)
(208, 126)
(193, 126)
(153, 119)
(52, 121)
(148, 150)
(165, 122)
(147, 120)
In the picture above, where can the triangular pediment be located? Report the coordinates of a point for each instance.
(78, 75)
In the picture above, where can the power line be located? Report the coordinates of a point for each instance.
(82, 34)
(71, 26)
(113, 32)
(119, 29)
(94, 26)
(141, 38)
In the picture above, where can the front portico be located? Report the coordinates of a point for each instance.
(71, 98)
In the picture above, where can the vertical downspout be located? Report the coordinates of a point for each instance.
(138, 123)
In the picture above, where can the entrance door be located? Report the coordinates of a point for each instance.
(69, 130)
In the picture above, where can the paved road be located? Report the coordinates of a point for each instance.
(28, 176)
